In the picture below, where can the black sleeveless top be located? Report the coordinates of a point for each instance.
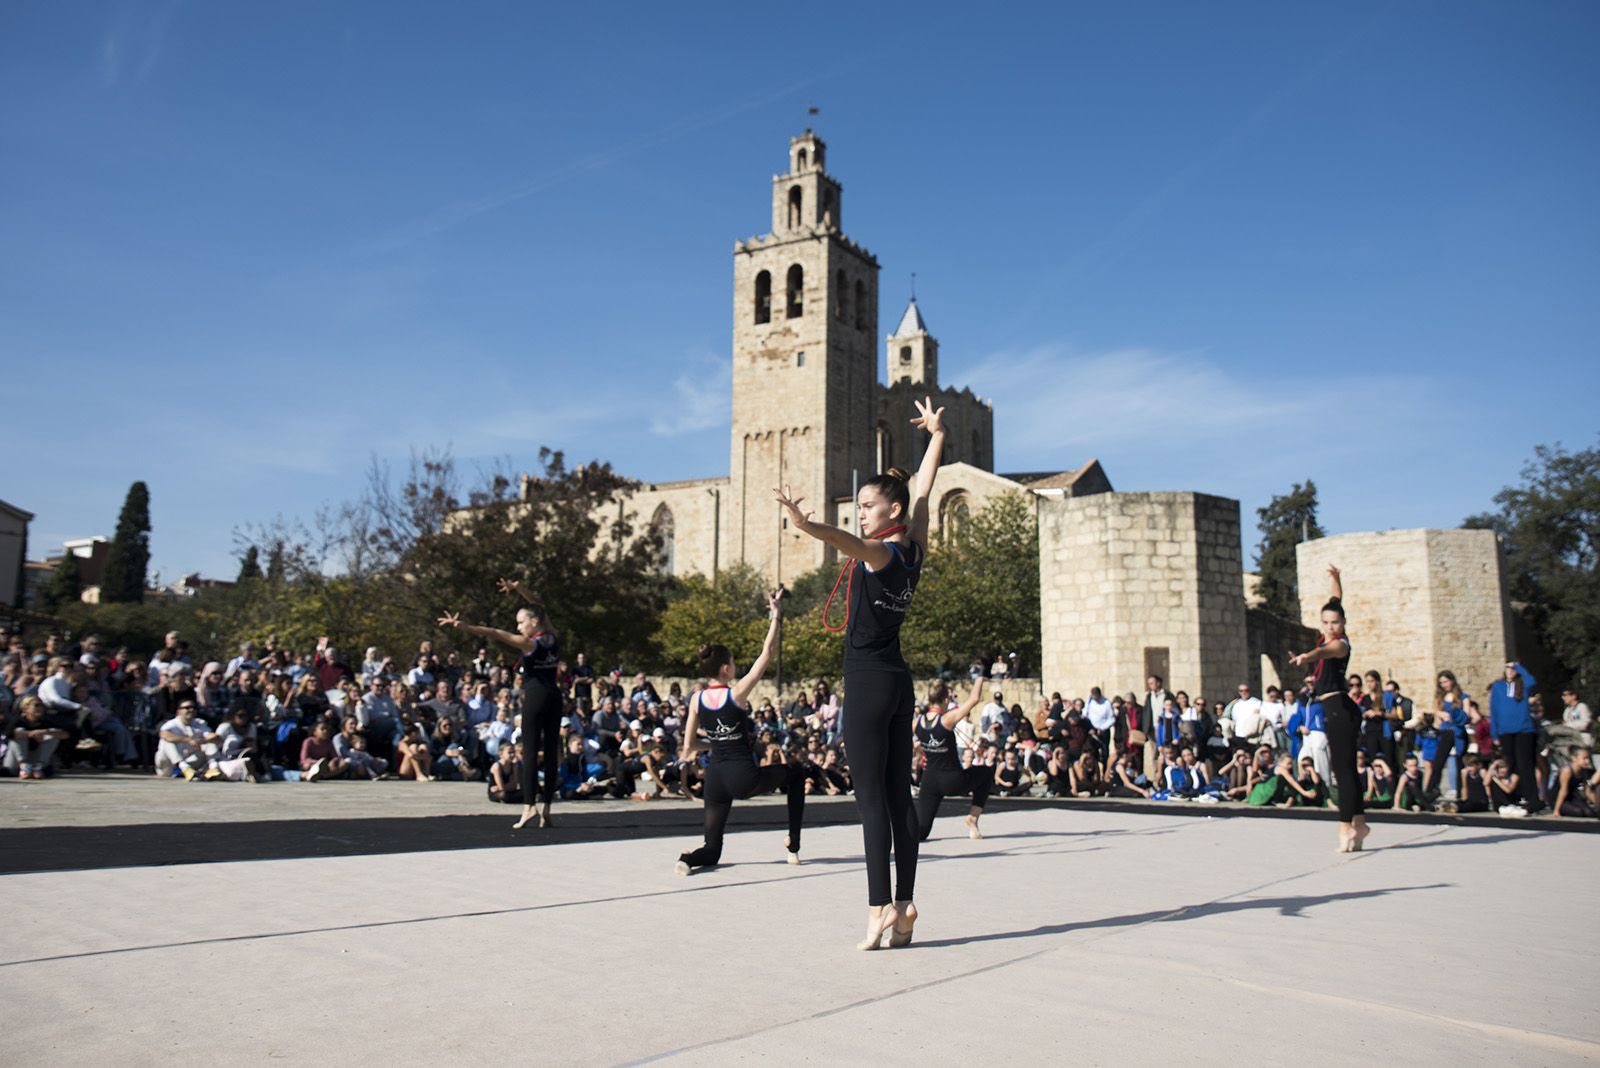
(1330, 676)
(878, 603)
(539, 663)
(728, 730)
(1473, 786)
(938, 743)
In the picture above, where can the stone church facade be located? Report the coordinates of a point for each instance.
(1131, 584)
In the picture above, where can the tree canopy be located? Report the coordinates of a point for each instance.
(1286, 521)
(128, 561)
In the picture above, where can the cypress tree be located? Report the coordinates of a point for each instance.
(250, 566)
(1286, 521)
(128, 562)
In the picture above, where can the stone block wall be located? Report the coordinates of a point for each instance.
(1417, 602)
(1128, 580)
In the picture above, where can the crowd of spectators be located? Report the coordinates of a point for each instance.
(270, 713)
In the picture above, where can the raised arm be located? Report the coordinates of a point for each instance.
(876, 554)
(516, 641)
(1338, 584)
(742, 688)
(956, 715)
(930, 419)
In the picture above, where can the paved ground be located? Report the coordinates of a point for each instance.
(1076, 934)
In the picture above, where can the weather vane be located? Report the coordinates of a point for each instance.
(913, 285)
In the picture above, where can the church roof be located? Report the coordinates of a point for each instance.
(911, 322)
(1043, 480)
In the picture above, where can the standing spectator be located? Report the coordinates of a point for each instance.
(1102, 717)
(1246, 714)
(1511, 723)
(582, 680)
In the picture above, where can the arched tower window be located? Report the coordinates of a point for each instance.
(800, 161)
(764, 297)
(861, 305)
(794, 207)
(885, 448)
(977, 454)
(796, 291)
(841, 297)
(664, 527)
(954, 511)
(827, 206)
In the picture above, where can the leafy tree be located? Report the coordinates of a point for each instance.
(66, 583)
(22, 572)
(128, 561)
(1286, 521)
(731, 612)
(1550, 526)
(250, 564)
(979, 591)
(275, 562)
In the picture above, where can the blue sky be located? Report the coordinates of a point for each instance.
(1223, 247)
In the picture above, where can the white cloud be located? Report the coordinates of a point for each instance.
(702, 399)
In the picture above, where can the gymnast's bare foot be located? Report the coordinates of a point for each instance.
(880, 921)
(905, 919)
(527, 814)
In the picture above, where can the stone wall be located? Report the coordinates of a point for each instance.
(1132, 583)
(1417, 602)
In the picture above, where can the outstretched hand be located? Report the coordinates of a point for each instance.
(928, 417)
(792, 505)
(510, 586)
(450, 619)
(775, 604)
(1333, 572)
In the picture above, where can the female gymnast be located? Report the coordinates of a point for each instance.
(1341, 717)
(721, 712)
(536, 640)
(883, 570)
(942, 774)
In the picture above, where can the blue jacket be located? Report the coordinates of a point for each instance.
(1507, 715)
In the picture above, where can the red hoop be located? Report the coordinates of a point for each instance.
(849, 569)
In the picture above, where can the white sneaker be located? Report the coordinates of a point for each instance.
(1513, 810)
(312, 772)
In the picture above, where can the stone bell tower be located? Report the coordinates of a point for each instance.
(805, 315)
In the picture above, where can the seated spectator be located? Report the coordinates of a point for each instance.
(329, 665)
(505, 776)
(188, 745)
(318, 757)
(581, 776)
(1058, 773)
(1307, 788)
(1379, 784)
(414, 755)
(99, 721)
(31, 741)
(450, 761)
(1474, 785)
(1504, 788)
(420, 677)
(237, 757)
(1577, 789)
(495, 735)
(835, 772)
(1409, 792)
(350, 745)
(1186, 778)
(1233, 777)
(378, 715)
(1084, 776)
(1125, 779)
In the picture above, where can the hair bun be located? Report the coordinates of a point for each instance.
(897, 473)
(703, 652)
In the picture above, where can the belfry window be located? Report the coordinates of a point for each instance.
(800, 161)
(841, 298)
(861, 305)
(794, 207)
(764, 297)
(796, 292)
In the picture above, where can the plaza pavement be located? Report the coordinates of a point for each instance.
(1079, 934)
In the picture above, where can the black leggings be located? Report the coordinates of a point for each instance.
(541, 729)
(877, 739)
(940, 783)
(730, 781)
(1518, 750)
(1342, 722)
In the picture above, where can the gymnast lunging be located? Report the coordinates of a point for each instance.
(721, 712)
(540, 647)
(1342, 717)
(942, 773)
(882, 570)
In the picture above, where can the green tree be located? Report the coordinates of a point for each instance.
(250, 564)
(66, 583)
(1286, 521)
(731, 612)
(129, 558)
(1550, 527)
(979, 591)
